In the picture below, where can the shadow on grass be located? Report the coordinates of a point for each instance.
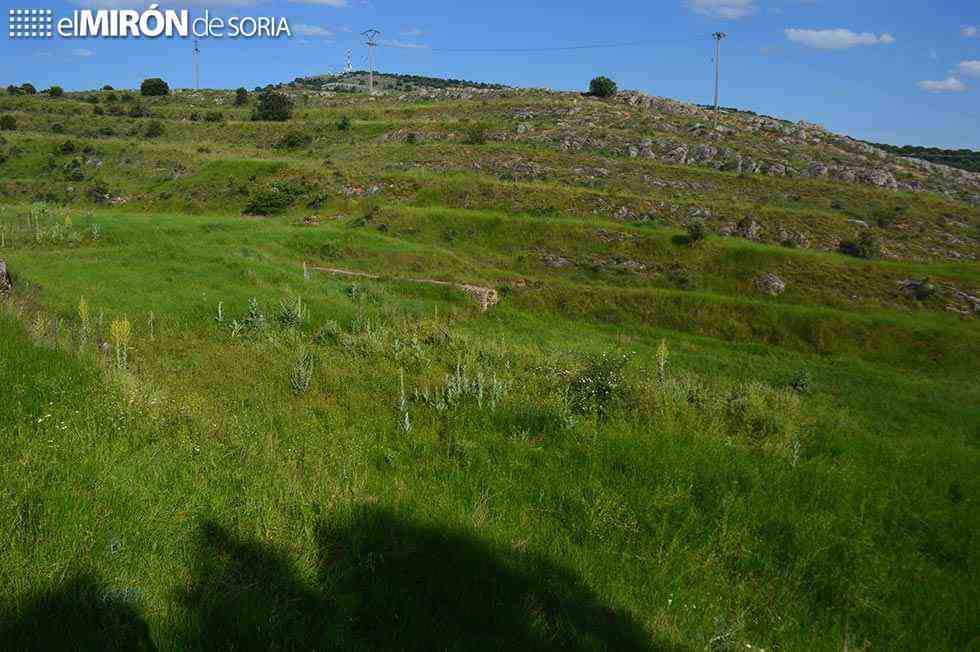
(78, 615)
(379, 582)
(385, 583)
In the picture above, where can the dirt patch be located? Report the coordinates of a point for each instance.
(486, 297)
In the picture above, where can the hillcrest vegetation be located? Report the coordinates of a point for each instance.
(479, 367)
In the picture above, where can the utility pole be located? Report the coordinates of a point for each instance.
(350, 61)
(718, 36)
(371, 35)
(197, 66)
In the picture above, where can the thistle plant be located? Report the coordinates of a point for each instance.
(120, 331)
(662, 354)
(40, 326)
(83, 319)
(303, 370)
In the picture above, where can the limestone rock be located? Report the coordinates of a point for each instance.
(771, 284)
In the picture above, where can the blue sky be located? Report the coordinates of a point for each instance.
(885, 70)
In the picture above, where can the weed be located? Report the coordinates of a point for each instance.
(120, 332)
(303, 370)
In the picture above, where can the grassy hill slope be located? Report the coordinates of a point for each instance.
(208, 439)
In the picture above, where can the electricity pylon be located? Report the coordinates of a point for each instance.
(371, 35)
(718, 36)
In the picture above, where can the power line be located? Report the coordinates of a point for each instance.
(563, 48)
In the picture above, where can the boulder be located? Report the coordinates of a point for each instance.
(749, 229)
(5, 285)
(771, 284)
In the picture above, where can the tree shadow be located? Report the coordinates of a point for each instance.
(383, 582)
(78, 615)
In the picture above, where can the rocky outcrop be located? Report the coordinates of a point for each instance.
(771, 284)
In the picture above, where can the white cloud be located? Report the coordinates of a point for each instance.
(724, 9)
(969, 68)
(971, 31)
(83, 52)
(836, 39)
(413, 31)
(948, 85)
(405, 46)
(312, 30)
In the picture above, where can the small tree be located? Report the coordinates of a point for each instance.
(154, 86)
(8, 123)
(56, 91)
(241, 97)
(107, 87)
(14, 90)
(602, 87)
(344, 124)
(273, 106)
(28, 89)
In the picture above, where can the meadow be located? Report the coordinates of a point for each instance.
(207, 441)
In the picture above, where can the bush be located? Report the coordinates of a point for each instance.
(599, 385)
(294, 140)
(214, 116)
(137, 110)
(241, 97)
(57, 128)
(154, 87)
(56, 91)
(8, 123)
(154, 129)
(476, 135)
(98, 110)
(344, 124)
(273, 106)
(107, 87)
(866, 246)
(13, 90)
(696, 232)
(28, 89)
(602, 87)
(274, 199)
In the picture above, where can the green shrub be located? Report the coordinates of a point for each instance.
(107, 87)
(273, 199)
(214, 116)
(294, 140)
(154, 87)
(137, 110)
(13, 90)
(98, 110)
(8, 123)
(696, 232)
(599, 385)
(476, 135)
(867, 246)
(272, 106)
(344, 124)
(154, 129)
(241, 97)
(28, 89)
(56, 91)
(602, 87)
(57, 128)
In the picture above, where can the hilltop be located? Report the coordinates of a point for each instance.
(453, 366)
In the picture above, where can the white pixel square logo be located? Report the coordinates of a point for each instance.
(30, 23)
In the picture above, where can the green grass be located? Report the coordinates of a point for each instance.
(792, 472)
